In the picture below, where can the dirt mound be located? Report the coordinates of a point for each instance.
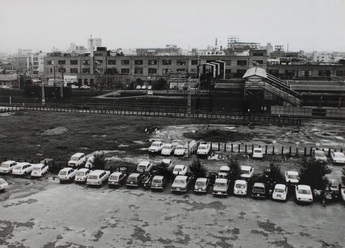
(56, 131)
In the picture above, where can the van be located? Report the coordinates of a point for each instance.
(39, 170)
(77, 160)
(67, 174)
(97, 177)
(23, 169)
(7, 166)
(144, 166)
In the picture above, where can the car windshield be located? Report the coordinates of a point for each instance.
(293, 176)
(304, 191)
(2, 181)
(279, 190)
(220, 185)
(37, 168)
(178, 169)
(132, 178)
(156, 181)
(141, 167)
(240, 186)
(93, 177)
(257, 151)
(5, 165)
(180, 181)
(167, 146)
(155, 144)
(258, 189)
(74, 158)
(63, 173)
(114, 178)
(245, 171)
(202, 147)
(80, 173)
(319, 153)
(179, 147)
(200, 184)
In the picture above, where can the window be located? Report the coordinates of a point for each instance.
(111, 62)
(259, 62)
(85, 62)
(49, 62)
(74, 62)
(63, 70)
(124, 70)
(242, 62)
(181, 70)
(99, 54)
(166, 62)
(165, 71)
(74, 70)
(99, 61)
(152, 62)
(258, 54)
(62, 62)
(227, 71)
(152, 70)
(340, 73)
(138, 70)
(240, 73)
(86, 70)
(138, 62)
(324, 73)
(180, 62)
(195, 62)
(124, 62)
(227, 62)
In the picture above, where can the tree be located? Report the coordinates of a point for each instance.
(163, 170)
(99, 161)
(313, 173)
(235, 169)
(197, 169)
(275, 174)
(343, 176)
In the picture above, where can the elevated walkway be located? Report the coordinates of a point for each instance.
(258, 79)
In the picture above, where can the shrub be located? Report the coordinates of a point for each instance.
(197, 169)
(313, 173)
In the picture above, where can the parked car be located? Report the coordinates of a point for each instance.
(221, 187)
(292, 177)
(97, 177)
(156, 147)
(303, 193)
(77, 160)
(204, 149)
(240, 187)
(39, 170)
(280, 192)
(81, 175)
(138, 87)
(179, 150)
(134, 180)
(67, 174)
(3, 184)
(338, 157)
(258, 190)
(22, 169)
(258, 153)
(224, 172)
(342, 193)
(180, 169)
(85, 87)
(247, 172)
(201, 185)
(7, 166)
(117, 178)
(320, 155)
(180, 184)
(158, 183)
(167, 149)
(144, 166)
(168, 163)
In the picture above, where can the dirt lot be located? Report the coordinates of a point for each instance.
(44, 213)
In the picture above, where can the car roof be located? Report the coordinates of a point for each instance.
(224, 167)
(319, 152)
(201, 179)
(280, 186)
(258, 148)
(244, 167)
(180, 177)
(38, 165)
(339, 153)
(134, 174)
(22, 163)
(116, 173)
(8, 162)
(78, 154)
(144, 162)
(96, 172)
(158, 177)
(67, 169)
(166, 160)
(179, 166)
(259, 185)
(240, 181)
(292, 172)
(83, 169)
(221, 180)
(302, 186)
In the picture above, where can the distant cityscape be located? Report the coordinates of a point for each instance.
(94, 64)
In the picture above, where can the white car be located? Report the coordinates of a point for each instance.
(22, 169)
(67, 174)
(77, 160)
(180, 169)
(240, 187)
(7, 166)
(97, 177)
(201, 185)
(179, 150)
(156, 147)
(258, 153)
(81, 175)
(85, 87)
(204, 150)
(180, 184)
(117, 178)
(280, 192)
(167, 149)
(338, 157)
(39, 170)
(320, 155)
(292, 177)
(3, 184)
(247, 172)
(221, 187)
(303, 193)
(144, 166)
(224, 171)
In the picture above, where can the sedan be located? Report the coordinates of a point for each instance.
(292, 177)
(179, 150)
(158, 183)
(117, 178)
(258, 153)
(221, 187)
(320, 155)
(81, 175)
(180, 184)
(7, 166)
(247, 172)
(180, 169)
(240, 187)
(3, 184)
(167, 149)
(201, 185)
(338, 157)
(259, 190)
(303, 193)
(280, 192)
(156, 147)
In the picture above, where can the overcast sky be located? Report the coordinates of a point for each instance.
(43, 24)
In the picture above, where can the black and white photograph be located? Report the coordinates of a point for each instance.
(172, 124)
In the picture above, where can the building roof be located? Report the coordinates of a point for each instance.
(255, 71)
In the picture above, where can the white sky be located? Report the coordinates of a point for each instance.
(43, 24)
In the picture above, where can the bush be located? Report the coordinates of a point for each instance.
(235, 169)
(313, 173)
(197, 169)
(99, 161)
(275, 174)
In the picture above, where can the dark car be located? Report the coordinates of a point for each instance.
(158, 183)
(258, 191)
(134, 180)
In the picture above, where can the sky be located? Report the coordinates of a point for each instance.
(309, 25)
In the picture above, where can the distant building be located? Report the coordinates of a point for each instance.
(93, 43)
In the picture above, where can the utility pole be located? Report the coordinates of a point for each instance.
(43, 95)
(62, 81)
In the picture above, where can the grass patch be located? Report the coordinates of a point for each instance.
(218, 136)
